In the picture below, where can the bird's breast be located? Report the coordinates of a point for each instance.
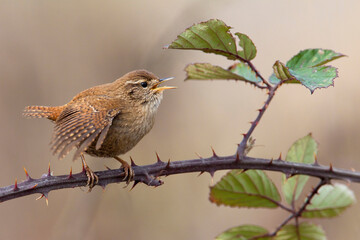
(126, 130)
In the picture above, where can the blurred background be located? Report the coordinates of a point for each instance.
(51, 50)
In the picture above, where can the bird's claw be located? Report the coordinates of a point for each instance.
(92, 180)
(128, 171)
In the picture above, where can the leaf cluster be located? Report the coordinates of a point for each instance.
(307, 67)
(253, 188)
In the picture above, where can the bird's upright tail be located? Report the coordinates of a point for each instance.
(51, 113)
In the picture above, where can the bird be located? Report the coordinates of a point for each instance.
(106, 120)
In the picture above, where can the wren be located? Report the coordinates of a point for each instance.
(106, 120)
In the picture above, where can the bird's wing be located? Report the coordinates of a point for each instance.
(80, 124)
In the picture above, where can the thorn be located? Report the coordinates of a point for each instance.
(316, 163)
(26, 173)
(237, 157)
(271, 161)
(200, 173)
(243, 170)
(70, 174)
(214, 154)
(198, 155)
(132, 162)
(135, 183)
(158, 158)
(212, 176)
(28, 178)
(15, 185)
(47, 201)
(42, 195)
(45, 195)
(260, 110)
(331, 168)
(34, 186)
(49, 171)
(244, 134)
(46, 198)
(251, 122)
(168, 165)
(279, 159)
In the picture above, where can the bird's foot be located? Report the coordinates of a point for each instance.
(129, 172)
(93, 179)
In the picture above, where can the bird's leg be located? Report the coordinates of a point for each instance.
(93, 179)
(129, 172)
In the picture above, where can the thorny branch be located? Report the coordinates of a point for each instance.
(149, 174)
(271, 94)
(297, 213)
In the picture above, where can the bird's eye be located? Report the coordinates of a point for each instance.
(144, 84)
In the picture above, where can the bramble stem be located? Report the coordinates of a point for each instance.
(148, 173)
(296, 214)
(271, 94)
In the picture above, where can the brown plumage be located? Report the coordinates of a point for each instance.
(105, 120)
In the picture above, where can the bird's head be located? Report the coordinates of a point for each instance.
(143, 87)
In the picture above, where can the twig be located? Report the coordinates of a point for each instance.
(249, 63)
(322, 182)
(296, 214)
(148, 174)
(257, 73)
(271, 94)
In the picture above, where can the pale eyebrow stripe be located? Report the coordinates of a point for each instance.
(135, 82)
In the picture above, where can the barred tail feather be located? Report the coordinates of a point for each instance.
(51, 113)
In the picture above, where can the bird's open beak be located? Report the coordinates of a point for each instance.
(160, 89)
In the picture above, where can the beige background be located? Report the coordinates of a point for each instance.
(50, 50)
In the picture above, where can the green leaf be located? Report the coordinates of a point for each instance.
(306, 231)
(312, 58)
(307, 68)
(312, 78)
(282, 72)
(242, 69)
(212, 36)
(245, 189)
(315, 77)
(201, 71)
(248, 51)
(303, 150)
(330, 201)
(243, 232)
